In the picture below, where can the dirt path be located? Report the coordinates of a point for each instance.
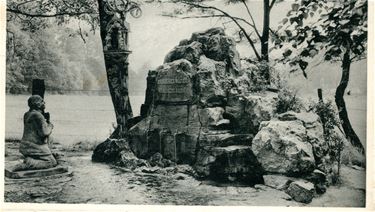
(101, 183)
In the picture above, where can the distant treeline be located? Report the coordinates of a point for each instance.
(65, 62)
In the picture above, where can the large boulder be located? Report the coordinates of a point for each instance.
(213, 43)
(282, 146)
(109, 150)
(212, 78)
(118, 152)
(314, 131)
(249, 111)
(191, 52)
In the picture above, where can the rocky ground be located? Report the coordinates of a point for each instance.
(98, 183)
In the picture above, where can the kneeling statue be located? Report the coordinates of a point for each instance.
(35, 140)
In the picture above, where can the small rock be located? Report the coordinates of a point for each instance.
(162, 172)
(171, 170)
(185, 169)
(301, 191)
(316, 177)
(157, 159)
(358, 168)
(318, 172)
(150, 170)
(320, 188)
(180, 177)
(286, 197)
(127, 159)
(278, 182)
(260, 187)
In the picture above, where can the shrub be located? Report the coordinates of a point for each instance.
(288, 101)
(327, 114)
(329, 118)
(255, 74)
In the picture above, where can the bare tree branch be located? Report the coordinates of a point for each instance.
(272, 3)
(273, 32)
(358, 58)
(252, 19)
(50, 15)
(207, 16)
(80, 32)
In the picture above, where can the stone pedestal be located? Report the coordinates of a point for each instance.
(58, 170)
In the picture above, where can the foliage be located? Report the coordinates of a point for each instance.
(32, 14)
(312, 26)
(329, 117)
(327, 114)
(256, 73)
(38, 45)
(256, 81)
(288, 101)
(35, 15)
(53, 55)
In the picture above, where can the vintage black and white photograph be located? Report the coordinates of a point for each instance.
(186, 102)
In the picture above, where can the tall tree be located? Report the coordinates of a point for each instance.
(246, 26)
(339, 29)
(114, 32)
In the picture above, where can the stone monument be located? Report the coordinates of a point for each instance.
(185, 115)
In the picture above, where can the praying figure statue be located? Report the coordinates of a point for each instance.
(35, 140)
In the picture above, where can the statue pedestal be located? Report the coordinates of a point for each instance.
(58, 170)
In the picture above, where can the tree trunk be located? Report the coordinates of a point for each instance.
(266, 29)
(265, 37)
(339, 99)
(114, 35)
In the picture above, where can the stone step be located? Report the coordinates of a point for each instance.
(230, 163)
(225, 139)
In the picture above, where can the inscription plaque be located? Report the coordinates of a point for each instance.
(173, 86)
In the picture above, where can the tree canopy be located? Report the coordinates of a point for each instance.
(314, 26)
